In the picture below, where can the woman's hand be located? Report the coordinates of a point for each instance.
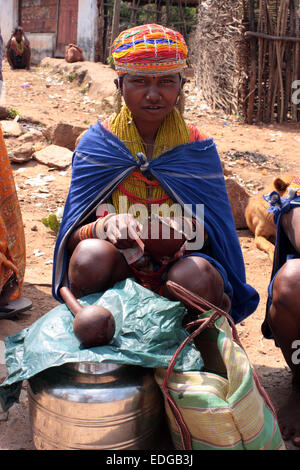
(122, 230)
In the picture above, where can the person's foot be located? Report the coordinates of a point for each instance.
(289, 419)
(8, 290)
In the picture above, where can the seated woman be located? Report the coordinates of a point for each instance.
(12, 243)
(18, 50)
(282, 320)
(145, 157)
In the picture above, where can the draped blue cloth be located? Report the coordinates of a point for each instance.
(190, 174)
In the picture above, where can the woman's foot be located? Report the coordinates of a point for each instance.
(8, 290)
(10, 308)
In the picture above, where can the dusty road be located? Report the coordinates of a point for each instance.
(47, 95)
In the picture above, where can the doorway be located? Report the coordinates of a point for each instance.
(67, 22)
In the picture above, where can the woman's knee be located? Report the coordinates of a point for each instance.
(286, 286)
(95, 265)
(200, 277)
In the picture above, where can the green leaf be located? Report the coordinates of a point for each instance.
(52, 222)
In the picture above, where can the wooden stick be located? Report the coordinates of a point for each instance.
(296, 60)
(259, 65)
(269, 111)
(249, 34)
(253, 73)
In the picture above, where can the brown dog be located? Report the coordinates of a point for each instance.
(79, 138)
(259, 221)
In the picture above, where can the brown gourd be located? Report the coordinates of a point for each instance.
(93, 325)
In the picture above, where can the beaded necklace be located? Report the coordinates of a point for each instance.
(18, 46)
(136, 187)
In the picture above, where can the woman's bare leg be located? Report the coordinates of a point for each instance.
(284, 321)
(26, 59)
(95, 266)
(200, 277)
(10, 58)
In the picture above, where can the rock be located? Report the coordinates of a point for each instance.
(225, 169)
(238, 199)
(81, 76)
(31, 136)
(22, 153)
(4, 113)
(11, 128)
(63, 134)
(54, 156)
(97, 78)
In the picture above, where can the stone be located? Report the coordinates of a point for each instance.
(238, 199)
(22, 153)
(226, 172)
(31, 136)
(11, 128)
(54, 156)
(97, 78)
(63, 134)
(4, 113)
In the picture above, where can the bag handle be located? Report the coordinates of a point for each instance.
(196, 301)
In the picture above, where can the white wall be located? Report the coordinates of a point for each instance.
(42, 45)
(87, 33)
(8, 17)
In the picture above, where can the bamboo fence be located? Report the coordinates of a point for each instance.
(247, 58)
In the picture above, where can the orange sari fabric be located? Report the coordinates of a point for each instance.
(12, 237)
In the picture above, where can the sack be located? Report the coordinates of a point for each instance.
(73, 54)
(224, 406)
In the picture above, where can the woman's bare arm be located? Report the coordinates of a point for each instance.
(290, 223)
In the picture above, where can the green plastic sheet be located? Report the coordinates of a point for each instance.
(148, 332)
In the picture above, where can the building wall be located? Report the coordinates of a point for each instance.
(42, 45)
(87, 34)
(39, 20)
(39, 17)
(39, 31)
(8, 18)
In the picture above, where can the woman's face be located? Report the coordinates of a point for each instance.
(19, 35)
(150, 99)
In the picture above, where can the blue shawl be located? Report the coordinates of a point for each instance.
(190, 174)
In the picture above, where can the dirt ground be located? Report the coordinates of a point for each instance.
(44, 96)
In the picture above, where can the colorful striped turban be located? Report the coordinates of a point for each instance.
(149, 49)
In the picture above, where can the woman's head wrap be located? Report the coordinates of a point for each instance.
(149, 49)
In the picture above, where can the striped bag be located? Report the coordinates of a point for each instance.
(225, 406)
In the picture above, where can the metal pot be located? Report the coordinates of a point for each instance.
(95, 406)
